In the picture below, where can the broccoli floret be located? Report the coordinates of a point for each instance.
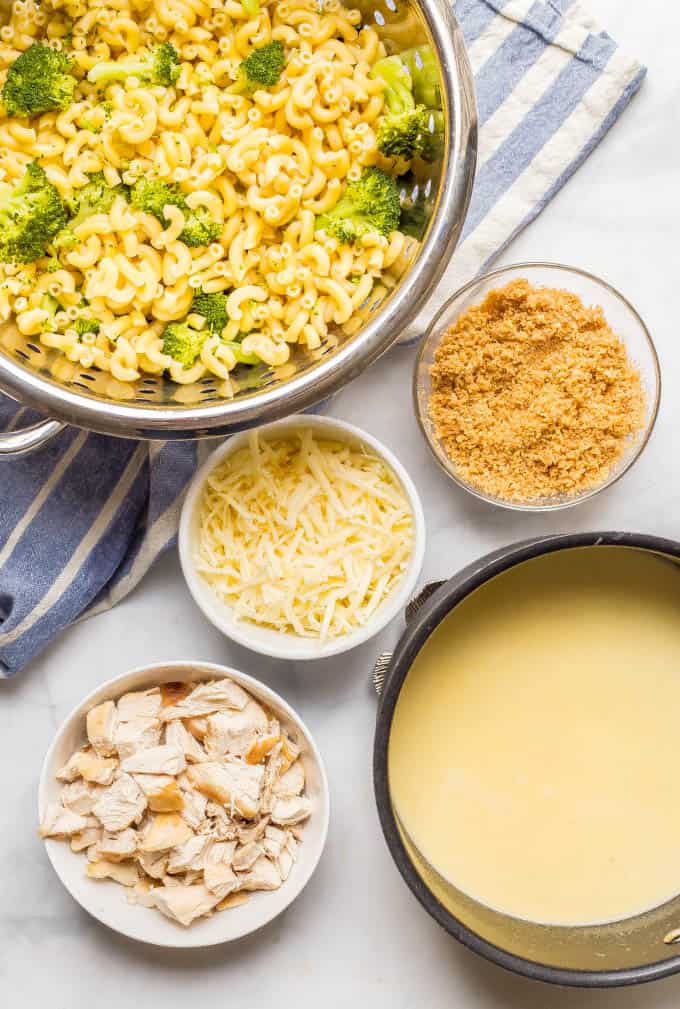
(404, 131)
(404, 135)
(50, 305)
(213, 308)
(416, 206)
(30, 215)
(38, 81)
(422, 66)
(83, 326)
(371, 203)
(151, 195)
(240, 354)
(183, 343)
(161, 67)
(95, 197)
(52, 264)
(199, 228)
(261, 69)
(95, 119)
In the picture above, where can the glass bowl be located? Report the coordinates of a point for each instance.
(621, 316)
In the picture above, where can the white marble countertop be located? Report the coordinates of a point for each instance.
(356, 935)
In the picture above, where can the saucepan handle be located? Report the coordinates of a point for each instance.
(382, 663)
(28, 439)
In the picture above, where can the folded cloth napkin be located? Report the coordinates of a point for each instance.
(83, 519)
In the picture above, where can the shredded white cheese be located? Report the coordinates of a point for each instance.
(303, 535)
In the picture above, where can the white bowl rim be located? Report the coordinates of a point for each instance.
(187, 938)
(293, 648)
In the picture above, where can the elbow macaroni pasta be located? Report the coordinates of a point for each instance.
(263, 165)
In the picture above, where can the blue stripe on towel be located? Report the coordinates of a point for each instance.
(515, 155)
(555, 186)
(112, 506)
(474, 18)
(63, 520)
(499, 76)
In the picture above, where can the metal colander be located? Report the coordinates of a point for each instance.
(155, 407)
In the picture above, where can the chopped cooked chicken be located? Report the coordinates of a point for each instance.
(288, 755)
(154, 863)
(218, 874)
(233, 900)
(291, 809)
(194, 808)
(92, 853)
(261, 747)
(262, 876)
(120, 805)
(80, 796)
(140, 893)
(247, 835)
(184, 903)
(277, 765)
(197, 727)
(234, 784)
(219, 823)
(125, 873)
(118, 847)
(206, 698)
(86, 839)
(287, 857)
(139, 704)
(86, 764)
(246, 857)
(190, 855)
(274, 841)
(291, 782)
(137, 734)
(190, 795)
(60, 822)
(101, 725)
(162, 792)
(235, 732)
(155, 760)
(177, 735)
(166, 830)
(173, 693)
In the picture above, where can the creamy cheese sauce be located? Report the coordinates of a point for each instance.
(534, 757)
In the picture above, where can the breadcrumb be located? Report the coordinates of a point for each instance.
(533, 395)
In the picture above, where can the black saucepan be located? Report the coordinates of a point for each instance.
(621, 953)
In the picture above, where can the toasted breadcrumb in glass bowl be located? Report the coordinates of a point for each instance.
(537, 421)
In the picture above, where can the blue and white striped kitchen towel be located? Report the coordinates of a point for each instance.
(82, 520)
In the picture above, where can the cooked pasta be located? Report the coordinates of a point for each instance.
(260, 165)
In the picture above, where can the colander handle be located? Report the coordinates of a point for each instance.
(28, 439)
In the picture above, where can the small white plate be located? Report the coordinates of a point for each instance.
(106, 900)
(278, 644)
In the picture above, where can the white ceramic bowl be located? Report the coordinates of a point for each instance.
(278, 644)
(106, 900)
